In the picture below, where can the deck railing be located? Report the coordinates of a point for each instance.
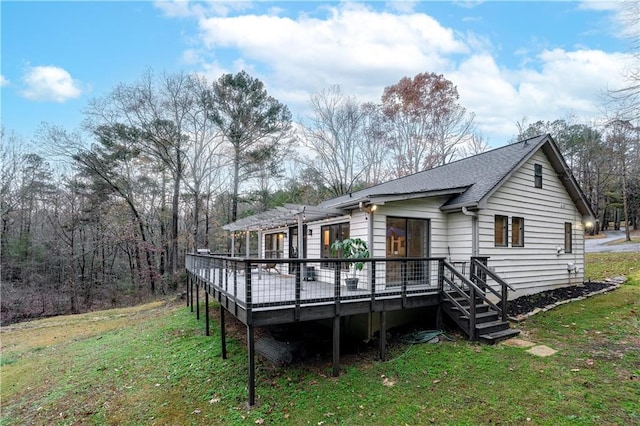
(267, 283)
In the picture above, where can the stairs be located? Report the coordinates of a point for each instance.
(489, 326)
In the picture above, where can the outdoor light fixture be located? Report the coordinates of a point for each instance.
(370, 208)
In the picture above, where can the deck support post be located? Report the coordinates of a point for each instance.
(206, 312)
(191, 295)
(189, 278)
(439, 316)
(198, 300)
(383, 334)
(336, 346)
(252, 366)
(223, 334)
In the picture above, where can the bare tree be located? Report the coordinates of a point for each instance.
(622, 139)
(626, 101)
(474, 145)
(335, 134)
(426, 122)
(159, 109)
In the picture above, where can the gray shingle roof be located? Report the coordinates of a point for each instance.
(469, 182)
(473, 178)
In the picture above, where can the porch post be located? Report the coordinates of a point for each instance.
(252, 366)
(302, 273)
(223, 334)
(233, 243)
(336, 346)
(383, 334)
(247, 250)
(259, 253)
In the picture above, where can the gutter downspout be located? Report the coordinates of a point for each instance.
(474, 231)
(369, 272)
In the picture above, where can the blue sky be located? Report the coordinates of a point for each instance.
(509, 60)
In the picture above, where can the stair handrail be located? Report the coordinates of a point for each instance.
(471, 284)
(502, 295)
(475, 291)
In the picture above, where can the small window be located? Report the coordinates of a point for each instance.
(517, 232)
(568, 237)
(538, 175)
(500, 230)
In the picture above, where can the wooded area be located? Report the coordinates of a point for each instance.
(102, 216)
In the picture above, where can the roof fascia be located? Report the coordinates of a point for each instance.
(561, 167)
(388, 198)
(484, 200)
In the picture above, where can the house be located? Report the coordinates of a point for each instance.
(517, 205)
(456, 238)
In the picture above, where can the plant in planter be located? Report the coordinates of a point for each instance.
(351, 248)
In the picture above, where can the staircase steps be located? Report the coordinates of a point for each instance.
(483, 317)
(498, 336)
(489, 327)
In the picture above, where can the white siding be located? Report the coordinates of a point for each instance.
(537, 266)
(419, 209)
(460, 237)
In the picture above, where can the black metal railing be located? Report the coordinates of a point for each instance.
(264, 283)
(465, 293)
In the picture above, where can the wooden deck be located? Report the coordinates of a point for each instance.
(315, 290)
(258, 297)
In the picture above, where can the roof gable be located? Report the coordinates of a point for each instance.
(472, 178)
(470, 181)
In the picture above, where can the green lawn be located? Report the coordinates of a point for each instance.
(153, 365)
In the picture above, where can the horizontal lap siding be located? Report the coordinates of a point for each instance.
(460, 237)
(418, 209)
(536, 266)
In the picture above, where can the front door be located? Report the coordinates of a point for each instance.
(407, 238)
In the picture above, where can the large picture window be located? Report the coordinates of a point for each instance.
(329, 235)
(500, 231)
(274, 246)
(517, 232)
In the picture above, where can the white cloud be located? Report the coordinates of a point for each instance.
(350, 45)
(49, 83)
(365, 50)
(3, 81)
(563, 83)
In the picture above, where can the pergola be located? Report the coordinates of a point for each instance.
(287, 215)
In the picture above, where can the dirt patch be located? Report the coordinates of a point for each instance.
(526, 304)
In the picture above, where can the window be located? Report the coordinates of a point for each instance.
(500, 231)
(274, 246)
(568, 237)
(329, 235)
(517, 232)
(538, 175)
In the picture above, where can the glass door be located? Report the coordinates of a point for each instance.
(407, 238)
(294, 250)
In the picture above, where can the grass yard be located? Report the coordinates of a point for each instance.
(153, 365)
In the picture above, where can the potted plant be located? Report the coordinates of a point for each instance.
(351, 248)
